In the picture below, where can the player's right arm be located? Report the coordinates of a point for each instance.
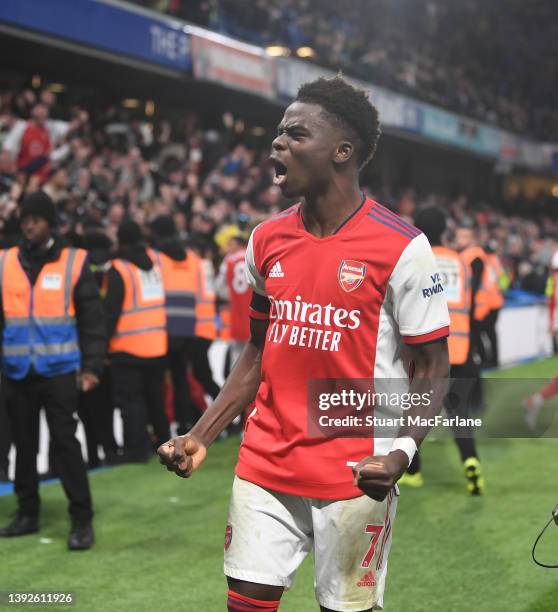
(184, 454)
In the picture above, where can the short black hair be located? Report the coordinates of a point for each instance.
(163, 226)
(432, 221)
(129, 233)
(350, 108)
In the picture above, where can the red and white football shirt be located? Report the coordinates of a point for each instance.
(35, 143)
(240, 295)
(341, 307)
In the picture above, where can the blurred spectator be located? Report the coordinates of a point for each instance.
(232, 287)
(34, 144)
(56, 183)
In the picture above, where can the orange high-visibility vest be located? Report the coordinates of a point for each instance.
(205, 303)
(40, 328)
(495, 271)
(456, 280)
(142, 327)
(482, 300)
(225, 327)
(180, 279)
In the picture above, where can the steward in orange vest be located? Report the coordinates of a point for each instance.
(181, 278)
(475, 258)
(137, 330)
(181, 269)
(456, 281)
(52, 329)
(141, 326)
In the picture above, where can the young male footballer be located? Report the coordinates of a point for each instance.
(343, 289)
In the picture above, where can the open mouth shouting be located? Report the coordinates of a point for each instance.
(280, 172)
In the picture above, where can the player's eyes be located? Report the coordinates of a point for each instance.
(295, 134)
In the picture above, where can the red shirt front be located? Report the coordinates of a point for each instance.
(35, 143)
(240, 295)
(341, 307)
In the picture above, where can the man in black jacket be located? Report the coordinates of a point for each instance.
(137, 357)
(52, 332)
(95, 408)
(466, 241)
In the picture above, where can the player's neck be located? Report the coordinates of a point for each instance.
(323, 214)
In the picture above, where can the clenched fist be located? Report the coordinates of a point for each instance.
(376, 476)
(182, 455)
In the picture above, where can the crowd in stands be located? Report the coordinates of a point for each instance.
(101, 166)
(495, 61)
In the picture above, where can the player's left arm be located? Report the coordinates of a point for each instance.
(377, 475)
(420, 310)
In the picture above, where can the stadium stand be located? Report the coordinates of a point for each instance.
(428, 49)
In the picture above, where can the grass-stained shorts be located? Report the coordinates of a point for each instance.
(269, 534)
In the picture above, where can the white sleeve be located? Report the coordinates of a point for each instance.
(57, 129)
(208, 277)
(554, 261)
(255, 279)
(418, 298)
(221, 282)
(60, 153)
(12, 142)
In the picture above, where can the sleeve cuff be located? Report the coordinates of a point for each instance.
(407, 445)
(443, 332)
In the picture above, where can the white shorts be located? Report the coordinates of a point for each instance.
(269, 534)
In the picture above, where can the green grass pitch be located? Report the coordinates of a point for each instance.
(160, 539)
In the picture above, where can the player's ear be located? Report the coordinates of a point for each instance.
(344, 152)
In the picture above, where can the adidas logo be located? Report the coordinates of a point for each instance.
(276, 271)
(367, 580)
